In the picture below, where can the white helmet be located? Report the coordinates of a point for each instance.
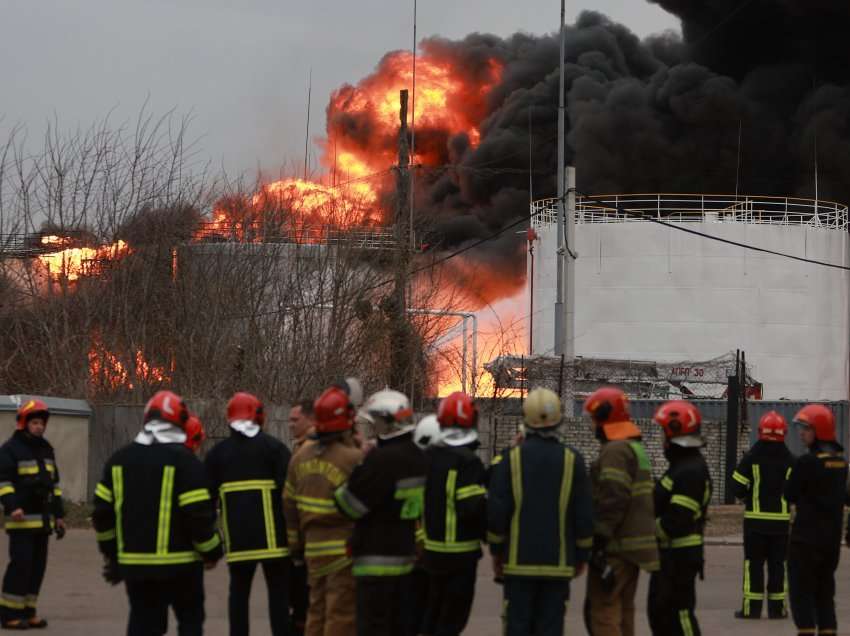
(542, 409)
(427, 432)
(390, 413)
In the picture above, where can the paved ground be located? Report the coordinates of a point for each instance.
(79, 603)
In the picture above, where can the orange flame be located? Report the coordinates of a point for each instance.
(70, 263)
(106, 369)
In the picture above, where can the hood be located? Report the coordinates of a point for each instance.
(247, 428)
(158, 432)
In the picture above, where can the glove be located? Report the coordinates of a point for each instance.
(599, 562)
(111, 573)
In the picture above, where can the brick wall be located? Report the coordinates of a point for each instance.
(499, 431)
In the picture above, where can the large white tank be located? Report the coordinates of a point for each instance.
(648, 292)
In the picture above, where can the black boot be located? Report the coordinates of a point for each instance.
(740, 614)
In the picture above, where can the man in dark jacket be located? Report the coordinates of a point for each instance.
(760, 481)
(681, 498)
(384, 496)
(155, 522)
(455, 517)
(817, 487)
(32, 501)
(247, 472)
(540, 521)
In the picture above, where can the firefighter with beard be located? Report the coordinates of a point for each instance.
(247, 473)
(318, 531)
(624, 516)
(817, 488)
(32, 501)
(384, 497)
(681, 497)
(455, 517)
(760, 482)
(540, 521)
(155, 522)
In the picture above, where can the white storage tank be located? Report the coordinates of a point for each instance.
(644, 291)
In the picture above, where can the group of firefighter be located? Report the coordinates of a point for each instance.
(381, 534)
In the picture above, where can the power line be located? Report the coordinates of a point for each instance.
(642, 215)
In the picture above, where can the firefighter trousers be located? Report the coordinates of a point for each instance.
(450, 596)
(535, 606)
(24, 573)
(276, 572)
(761, 549)
(383, 606)
(332, 610)
(672, 596)
(610, 611)
(151, 598)
(299, 597)
(811, 581)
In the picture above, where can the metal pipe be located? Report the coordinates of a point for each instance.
(559, 290)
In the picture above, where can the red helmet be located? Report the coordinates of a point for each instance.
(820, 419)
(195, 434)
(607, 405)
(334, 412)
(29, 410)
(168, 407)
(245, 406)
(681, 422)
(457, 409)
(772, 427)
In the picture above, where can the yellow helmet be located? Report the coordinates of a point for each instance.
(542, 409)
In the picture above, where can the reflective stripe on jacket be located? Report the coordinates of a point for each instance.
(682, 496)
(29, 479)
(623, 508)
(540, 510)
(317, 529)
(153, 511)
(759, 480)
(247, 475)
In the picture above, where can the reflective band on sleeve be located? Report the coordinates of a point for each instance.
(470, 491)
(325, 548)
(106, 535)
(57, 492)
(667, 482)
(615, 474)
(641, 489)
(315, 505)
(193, 496)
(6, 488)
(103, 492)
(349, 503)
(288, 489)
(686, 502)
(585, 543)
(740, 478)
(208, 545)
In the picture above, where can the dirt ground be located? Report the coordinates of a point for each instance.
(79, 603)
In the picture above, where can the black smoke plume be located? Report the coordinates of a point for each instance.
(741, 102)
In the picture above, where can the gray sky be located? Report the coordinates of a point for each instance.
(240, 67)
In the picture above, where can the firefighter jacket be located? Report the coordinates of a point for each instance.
(455, 517)
(153, 512)
(623, 509)
(246, 476)
(316, 529)
(540, 510)
(759, 480)
(29, 479)
(682, 496)
(816, 486)
(384, 497)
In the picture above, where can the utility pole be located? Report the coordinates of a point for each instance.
(400, 340)
(560, 331)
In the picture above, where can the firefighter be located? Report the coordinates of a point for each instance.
(155, 522)
(32, 502)
(816, 487)
(759, 480)
(455, 517)
(624, 540)
(681, 497)
(301, 423)
(195, 433)
(318, 532)
(384, 496)
(247, 472)
(540, 521)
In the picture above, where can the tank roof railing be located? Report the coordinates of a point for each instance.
(710, 208)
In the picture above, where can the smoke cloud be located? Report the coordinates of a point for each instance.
(658, 114)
